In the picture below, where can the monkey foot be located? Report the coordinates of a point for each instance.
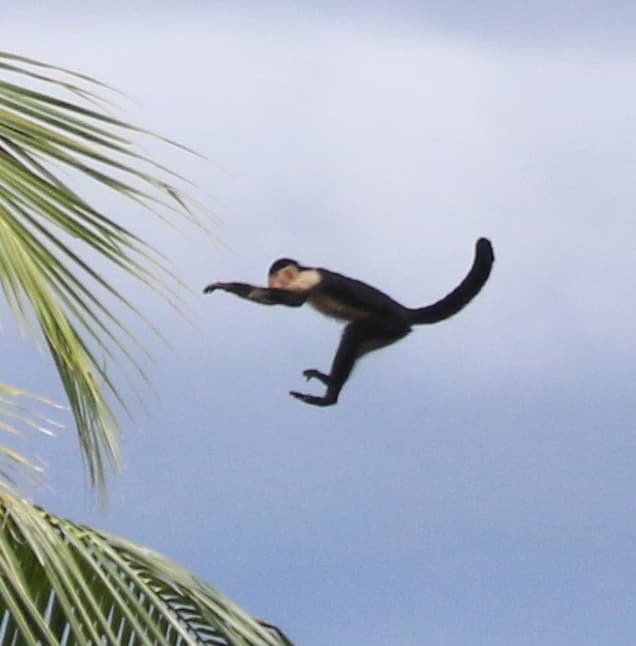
(316, 374)
(314, 400)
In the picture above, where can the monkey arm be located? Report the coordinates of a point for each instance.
(262, 295)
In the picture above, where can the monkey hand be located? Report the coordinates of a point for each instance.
(316, 374)
(212, 286)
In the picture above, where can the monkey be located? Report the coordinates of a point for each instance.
(374, 319)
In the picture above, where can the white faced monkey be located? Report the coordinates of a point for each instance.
(375, 319)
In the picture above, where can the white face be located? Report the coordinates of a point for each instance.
(283, 277)
(294, 279)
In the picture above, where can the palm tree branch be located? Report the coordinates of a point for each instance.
(40, 267)
(61, 579)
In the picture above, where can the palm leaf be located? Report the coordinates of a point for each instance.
(62, 583)
(17, 419)
(50, 235)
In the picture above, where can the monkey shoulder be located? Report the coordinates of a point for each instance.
(354, 295)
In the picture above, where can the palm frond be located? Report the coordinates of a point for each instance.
(66, 583)
(49, 236)
(17, 419)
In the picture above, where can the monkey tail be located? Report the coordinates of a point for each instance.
(463, 293)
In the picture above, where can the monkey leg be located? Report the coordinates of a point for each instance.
(359, 337)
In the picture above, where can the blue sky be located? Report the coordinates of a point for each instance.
(475, 485)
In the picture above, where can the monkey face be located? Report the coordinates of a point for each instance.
(283, 277)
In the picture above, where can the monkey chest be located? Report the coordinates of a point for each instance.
(335, 309)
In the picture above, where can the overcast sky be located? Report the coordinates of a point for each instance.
(476, 482)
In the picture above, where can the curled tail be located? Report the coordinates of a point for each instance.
(463, 293)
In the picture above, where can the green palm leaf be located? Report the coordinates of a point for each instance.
(62, 583)
(49, 236)
(17, 418)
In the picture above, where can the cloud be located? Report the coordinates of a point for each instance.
(480, 469)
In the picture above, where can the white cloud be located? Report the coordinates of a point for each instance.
(384, 152)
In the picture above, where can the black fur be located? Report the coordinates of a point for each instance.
(280, 263)
(375, 319)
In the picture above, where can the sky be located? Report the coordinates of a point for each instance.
(475, 484)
